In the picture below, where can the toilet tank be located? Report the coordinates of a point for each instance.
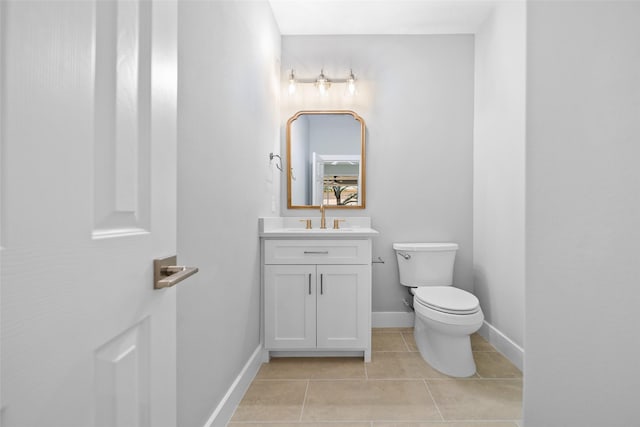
(425, 264)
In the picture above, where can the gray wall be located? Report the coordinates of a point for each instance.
(499, 172)
(335, 135)
(415, 94)
(583, 214)
(228, 124)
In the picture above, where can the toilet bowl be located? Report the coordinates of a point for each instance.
(442, 332)
(445, 316)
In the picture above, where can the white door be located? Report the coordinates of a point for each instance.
(343, 306)
(317, 172)
(88, 152)
(290, 306)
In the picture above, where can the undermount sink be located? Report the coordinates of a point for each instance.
(295, 227)
(317, 230)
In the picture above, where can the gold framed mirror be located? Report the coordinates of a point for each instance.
(326, 160)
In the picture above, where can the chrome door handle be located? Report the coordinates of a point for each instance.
(166, 273)
(316, 252)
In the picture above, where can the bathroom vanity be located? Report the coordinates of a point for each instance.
(316, 287)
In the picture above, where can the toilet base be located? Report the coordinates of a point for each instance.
(447, 348)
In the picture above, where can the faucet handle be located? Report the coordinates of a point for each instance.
(308, 223)
(336, 223)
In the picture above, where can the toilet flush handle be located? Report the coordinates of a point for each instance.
(404, 255)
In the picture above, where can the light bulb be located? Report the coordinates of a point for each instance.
(322, 87)
(351, 84)
(322, 83)
(292, 83)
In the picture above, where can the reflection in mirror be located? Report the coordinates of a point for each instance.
(326, 158)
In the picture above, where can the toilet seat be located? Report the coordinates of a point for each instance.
(447, 299)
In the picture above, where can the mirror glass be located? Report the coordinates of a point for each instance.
(326, 159)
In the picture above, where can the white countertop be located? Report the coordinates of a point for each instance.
(294, 227)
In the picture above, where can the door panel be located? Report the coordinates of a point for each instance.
(122, 113)
(122, 379)
(290, 306)
(343, 306)
(89, 181)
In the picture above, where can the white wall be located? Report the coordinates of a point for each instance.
(583, 214)
(416, 96)
(228, 124)
(499, 169)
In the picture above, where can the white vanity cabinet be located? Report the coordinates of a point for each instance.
(317, 295)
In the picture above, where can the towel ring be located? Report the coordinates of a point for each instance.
(278, 163)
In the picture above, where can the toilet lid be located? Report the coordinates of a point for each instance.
(447, 299)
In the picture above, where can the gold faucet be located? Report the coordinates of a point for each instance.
(323, 219)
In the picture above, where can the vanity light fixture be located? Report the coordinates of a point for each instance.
(322, 82)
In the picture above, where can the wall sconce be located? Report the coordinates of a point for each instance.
(323, 83)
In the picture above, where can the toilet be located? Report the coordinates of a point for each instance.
(445, 316)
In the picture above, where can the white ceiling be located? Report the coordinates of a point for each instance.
(307, 17)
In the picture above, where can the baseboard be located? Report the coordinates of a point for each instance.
(227, 406)
(392, 319)
(315, 353)
(503, 344)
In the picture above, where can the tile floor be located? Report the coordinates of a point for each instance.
(397, 389)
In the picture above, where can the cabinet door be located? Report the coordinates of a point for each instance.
(290, 306)
(344, 306)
